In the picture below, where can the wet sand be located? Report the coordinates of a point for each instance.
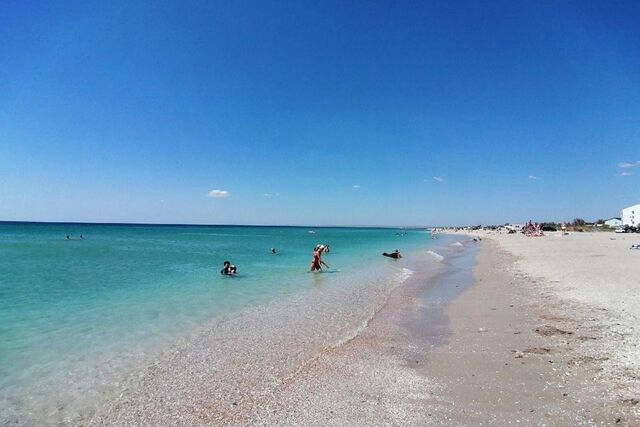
(507, 350)
(376, 378)
(231, 371)
(520, 354)
(276, 379)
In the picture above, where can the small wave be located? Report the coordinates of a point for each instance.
(436, 255)
(405, 274)
(456, 244)
(351, 334)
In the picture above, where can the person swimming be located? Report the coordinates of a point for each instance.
(395, 254)
(273, 250)
(228, 269)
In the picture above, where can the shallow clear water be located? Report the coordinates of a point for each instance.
(77, 309)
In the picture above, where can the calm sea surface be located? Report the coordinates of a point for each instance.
(85, 308)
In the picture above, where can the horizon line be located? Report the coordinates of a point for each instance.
(210, 225)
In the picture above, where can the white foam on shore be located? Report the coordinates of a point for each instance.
(357, 329)
(436, 255)
(405, 274)
(402, 276)
(265, 346)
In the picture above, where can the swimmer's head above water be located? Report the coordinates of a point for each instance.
(228, 268)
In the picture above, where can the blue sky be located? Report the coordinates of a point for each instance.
(343, 113)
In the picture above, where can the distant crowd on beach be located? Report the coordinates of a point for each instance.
(532, 229)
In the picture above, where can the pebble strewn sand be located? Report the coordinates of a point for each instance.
(229, 372)
(597, 272)
(513, 353)
(535, 341)
(519, 354)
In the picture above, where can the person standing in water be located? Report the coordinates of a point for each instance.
(316, 261)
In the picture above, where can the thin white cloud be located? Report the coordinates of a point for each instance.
(218, 194)
(271, 194)
(356, 186)
(533, 177)
(624, 174)
(277, 194)
(625, 165)
(267, 194)
(438, 178)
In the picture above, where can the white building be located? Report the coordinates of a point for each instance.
(613, 222)
(514, 227)
(631, 215)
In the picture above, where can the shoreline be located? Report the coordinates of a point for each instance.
(124, 332)
(508, 353)
(511, 352)
(226, 375)
(521, 354)
(472, 336)
(594, 273)
(372, 378)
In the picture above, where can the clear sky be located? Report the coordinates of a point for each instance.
(344, 113)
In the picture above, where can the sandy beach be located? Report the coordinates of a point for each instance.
(531, 343)
(543, 333)
(263, 213)
(536, 341)
(548, 334)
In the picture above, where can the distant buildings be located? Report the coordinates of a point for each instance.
(631, 215)
(613, 222)
(514, 227)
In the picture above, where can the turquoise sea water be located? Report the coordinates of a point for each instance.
(82, 307)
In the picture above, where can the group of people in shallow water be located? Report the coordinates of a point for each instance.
(316, 264)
